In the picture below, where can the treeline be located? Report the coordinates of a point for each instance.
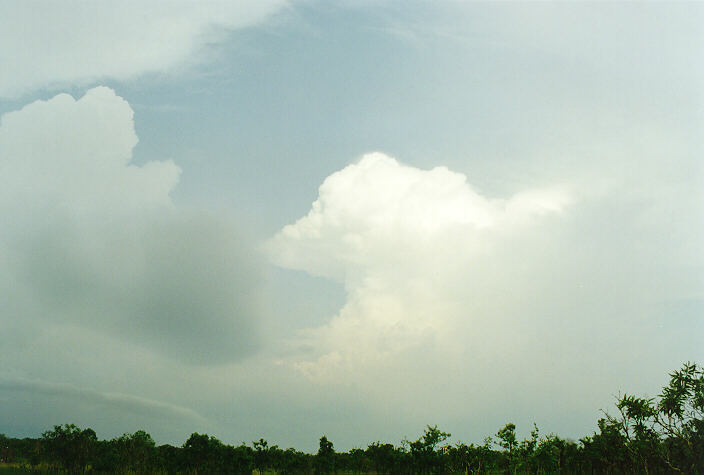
(663, 435)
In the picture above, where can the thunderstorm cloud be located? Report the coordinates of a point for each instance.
(94, 240)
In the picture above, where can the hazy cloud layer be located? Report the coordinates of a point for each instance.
(95, 241)
(49, 44)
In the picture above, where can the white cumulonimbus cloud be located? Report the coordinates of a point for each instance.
(401, 239)
(95, 241)
(43, 44)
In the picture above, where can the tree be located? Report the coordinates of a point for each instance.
(680, 417)
(383, 457)
(263, 454)
(136, 452)
(553, 454)
(293, 461)
(462, 458)
(239, 460)
(606, 451)
(524, 457)
(325, 459)
(671, 428)
(507, 440)
(423, 450)
(636, 422)
(72, 447)
(203, 453)
(4, 449)
(171, 459)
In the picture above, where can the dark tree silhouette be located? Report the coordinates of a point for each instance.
(325, 459)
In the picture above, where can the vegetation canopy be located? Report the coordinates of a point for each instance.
(644, 435)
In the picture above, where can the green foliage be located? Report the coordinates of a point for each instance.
(668, 433)
(70, 446)
(4, 448)
(203, 453)
(134, 452)
(238, 460)
(680, 418)
(423, 450)
(325, 459)
(384, 458)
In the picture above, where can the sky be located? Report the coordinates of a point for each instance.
(284, 219)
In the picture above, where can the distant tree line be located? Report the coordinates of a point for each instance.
(663, 435)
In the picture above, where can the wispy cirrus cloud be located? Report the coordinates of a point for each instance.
(44, 44)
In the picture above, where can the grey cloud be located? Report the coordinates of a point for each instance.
(94, 240)
(125, 402)
(179, 283)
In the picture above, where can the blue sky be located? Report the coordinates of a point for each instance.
(282, 219)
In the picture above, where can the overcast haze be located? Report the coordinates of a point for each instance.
(284, 219)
